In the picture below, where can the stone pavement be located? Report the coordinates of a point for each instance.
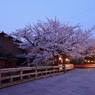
(75, 82)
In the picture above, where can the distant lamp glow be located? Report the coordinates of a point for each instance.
(91, 61)
(60, 60)
(88, 61)
(67, 59)
(85, 60)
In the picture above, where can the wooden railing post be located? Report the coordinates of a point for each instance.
(46, 70)
(11, 80)
(21, 74)
(64, 67)
(36, 72)
(0, 77)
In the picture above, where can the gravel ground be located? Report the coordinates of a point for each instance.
(74, 82)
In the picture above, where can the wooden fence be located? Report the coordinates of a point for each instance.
(12, 76)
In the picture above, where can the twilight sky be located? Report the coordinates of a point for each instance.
(15, 14)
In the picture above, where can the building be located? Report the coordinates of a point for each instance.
(8, 51)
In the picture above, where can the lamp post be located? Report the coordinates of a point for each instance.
(60, 63)
(60, 60)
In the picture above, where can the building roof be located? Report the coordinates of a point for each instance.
(4, 58)
(8, 36)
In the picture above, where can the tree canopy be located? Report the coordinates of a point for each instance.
(54, 38)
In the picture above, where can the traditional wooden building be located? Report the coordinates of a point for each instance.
(8, 51)
(8, 45)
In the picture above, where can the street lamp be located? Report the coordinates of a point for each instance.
(60, 63)
(60, 60)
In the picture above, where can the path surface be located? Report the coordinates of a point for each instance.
(75, 82)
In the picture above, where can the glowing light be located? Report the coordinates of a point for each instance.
(88, 61)
(67, 59)
(85, 60)
(60, 58)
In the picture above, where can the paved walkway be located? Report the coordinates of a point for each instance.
(75, 82)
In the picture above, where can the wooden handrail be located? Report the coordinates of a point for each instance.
(11, 76)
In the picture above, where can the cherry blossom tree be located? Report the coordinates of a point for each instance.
(53, 38)
(83, 51)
